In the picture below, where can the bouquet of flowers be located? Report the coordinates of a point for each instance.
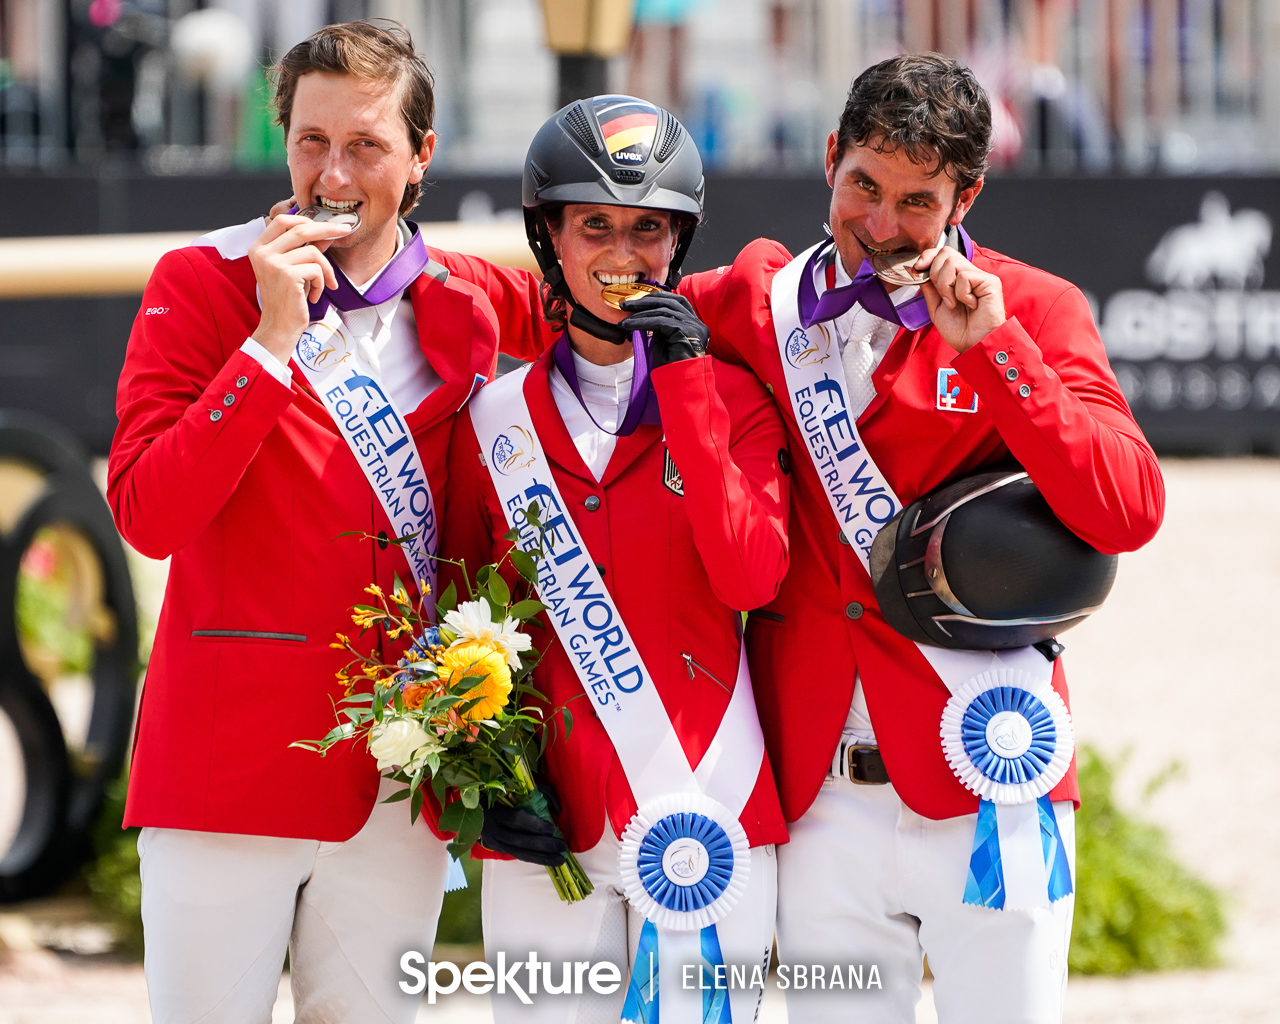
(449, 712)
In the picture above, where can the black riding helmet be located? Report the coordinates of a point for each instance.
(983, 564)
(616, 151)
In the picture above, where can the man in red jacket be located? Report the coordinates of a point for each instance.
(989, 361)
(284, 386)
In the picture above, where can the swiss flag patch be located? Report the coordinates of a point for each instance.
(954, 395)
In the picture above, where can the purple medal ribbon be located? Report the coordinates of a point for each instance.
(643, 404)
(865, 289)
(396, 276)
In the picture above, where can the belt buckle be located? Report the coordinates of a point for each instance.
(849, 763)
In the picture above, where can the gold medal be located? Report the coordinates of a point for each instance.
(896, 268)
(616, 294)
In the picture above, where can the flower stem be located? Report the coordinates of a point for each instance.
(571, 882)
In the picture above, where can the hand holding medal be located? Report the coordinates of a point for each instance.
(292, 269)
(965, 303)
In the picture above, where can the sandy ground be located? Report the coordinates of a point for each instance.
(1177, 667)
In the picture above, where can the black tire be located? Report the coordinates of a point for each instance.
(63, 794)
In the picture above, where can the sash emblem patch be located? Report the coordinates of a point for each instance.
(670, 475)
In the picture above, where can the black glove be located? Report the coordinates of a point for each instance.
(523, 833)
(677, 331)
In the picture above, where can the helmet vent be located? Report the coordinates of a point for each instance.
(627, 176)
(670, 139)
(575, 120)
(540, 177)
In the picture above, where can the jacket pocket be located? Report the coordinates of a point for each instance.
(693, 666)
(246, 634)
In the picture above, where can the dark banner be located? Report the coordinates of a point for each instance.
(1176, 270)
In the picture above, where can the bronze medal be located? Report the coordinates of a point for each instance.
(616, 294)
(896, 268)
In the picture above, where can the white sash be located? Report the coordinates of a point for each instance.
(375, 431)
(862, 501)
(623, 695)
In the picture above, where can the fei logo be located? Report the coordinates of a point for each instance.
(954, 395)
(512, 450)
(802, 351)
(317, 354)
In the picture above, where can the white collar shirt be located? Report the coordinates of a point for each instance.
(606, 390)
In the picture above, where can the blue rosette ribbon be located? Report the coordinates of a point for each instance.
(1009, 739)
(685, 861)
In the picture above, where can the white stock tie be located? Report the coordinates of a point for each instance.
(363, 324)
(858, 361)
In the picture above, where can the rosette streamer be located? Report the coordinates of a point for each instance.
(1008, 738)
(641, 1006)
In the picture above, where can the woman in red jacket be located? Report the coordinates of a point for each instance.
(661, 476)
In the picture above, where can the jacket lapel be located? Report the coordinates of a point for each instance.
(895, 358)
(630, 448)
(548, 422)
(445, 321)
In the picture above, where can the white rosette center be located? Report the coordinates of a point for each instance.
(1008, 737)
(684, 860)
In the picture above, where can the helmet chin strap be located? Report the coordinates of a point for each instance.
(553, 276)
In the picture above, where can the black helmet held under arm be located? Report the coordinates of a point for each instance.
(983, 564)
(617, 151)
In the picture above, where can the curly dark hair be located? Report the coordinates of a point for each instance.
(926, 104)
(374, 51)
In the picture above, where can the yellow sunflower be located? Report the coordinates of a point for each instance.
(479, 659)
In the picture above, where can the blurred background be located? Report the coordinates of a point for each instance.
(1137, 154)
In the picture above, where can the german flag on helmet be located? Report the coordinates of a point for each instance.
(628, 127)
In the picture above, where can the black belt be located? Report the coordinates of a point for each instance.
(863, 765)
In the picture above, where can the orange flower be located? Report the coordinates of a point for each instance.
(414, 694)
(478, 659)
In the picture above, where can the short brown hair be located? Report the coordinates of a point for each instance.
(372, 52)
(926, 104)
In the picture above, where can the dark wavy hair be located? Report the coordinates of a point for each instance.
(927, 105)
(373, 52)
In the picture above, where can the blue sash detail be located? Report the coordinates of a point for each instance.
(641, 1006)
(715, 1001)
(985, 886)
(1055, 851)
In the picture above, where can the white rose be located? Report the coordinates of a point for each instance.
(397, 741)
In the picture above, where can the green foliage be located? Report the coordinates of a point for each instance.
(113, 876)
(1137, 909)
(44, 624)
(460, 914)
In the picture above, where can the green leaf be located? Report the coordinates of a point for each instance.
(471, 797)
(397, 583)
(499, 592)
(567, 715)
(451, 817)
(526, 609)
(448, 600)
(482, 575)
(512, 535)
(472, 823)
(397, 796)
(525, 565)
(416, 807)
